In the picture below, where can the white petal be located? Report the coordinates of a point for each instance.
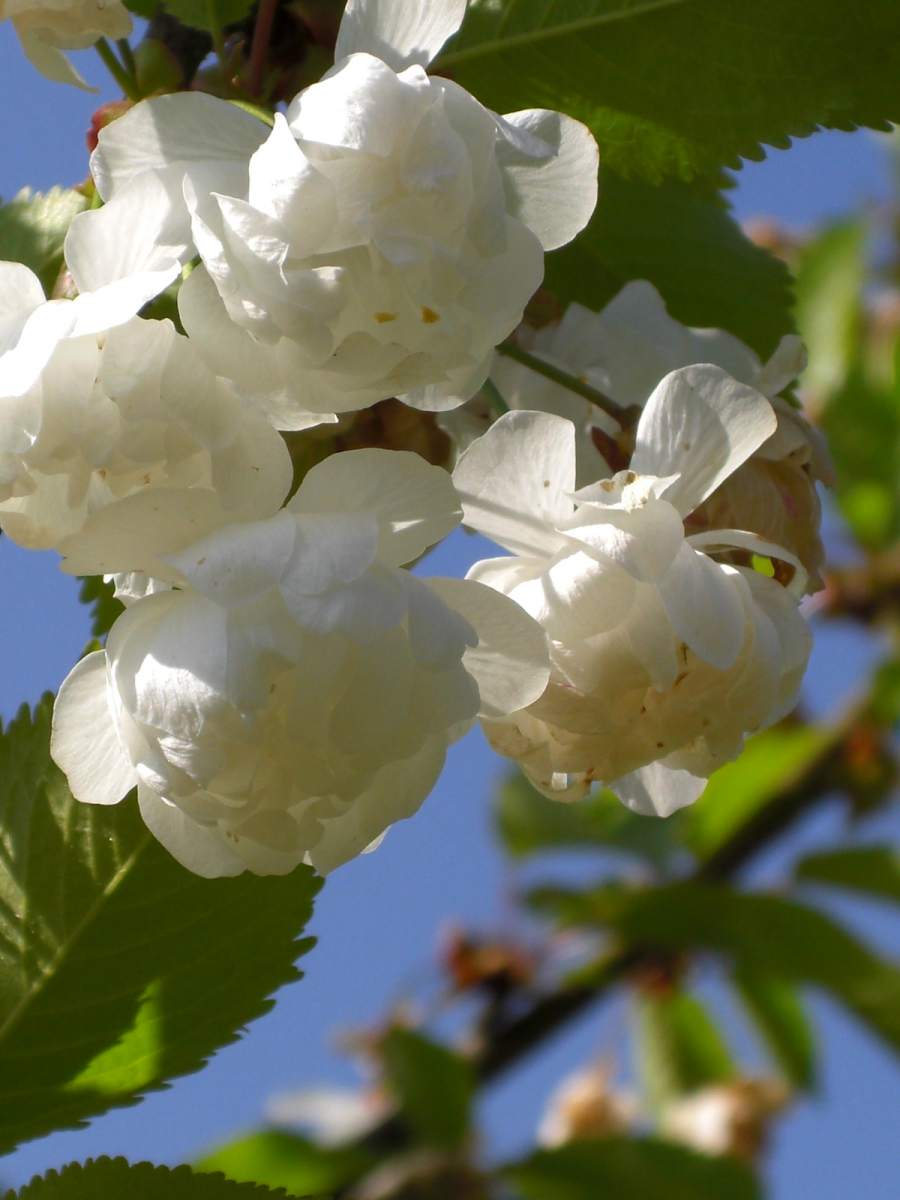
(658, 791)
(400, 32)
(414, 503)
(20, 291)
(556, 194)
(49, 59)
(239, 562)
(723, 539)
(788, 361)
(700, 424)
(83, 742)
(331, 549)
(510, 663)
(396, 793)
(200, 848)
(643, 541)
(138, 233)
(515, 481)
(704, 608)
(189, 129)
(438, 635)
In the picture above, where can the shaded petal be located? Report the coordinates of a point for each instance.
(700, 424)
(704, 607)
(331, 549)
(396, 793)
(200, 848)
(438, 635)
(400, 32)
(83, 741)
(511, 660)
(414, 503)
(49, 59)
(515, 481)
(237, 563)
(553, 195)
(788, 361)
(643, 541)
(657, 790)
(190, 129)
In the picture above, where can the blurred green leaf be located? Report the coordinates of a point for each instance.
(769, 763)
(102, 599)
(781, 1018)
(433, 1086)
(672, 87)
(630, 1169)
(886, 692)
(684, 241)
(33, 226)
(829, 287)
(679, 1046)
(114, 1179)
(119, 969)
(862, 422)
(872, 870)
(529, 823)
(770, 934)
(281, 1159)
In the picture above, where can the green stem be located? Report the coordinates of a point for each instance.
(115, 68)
(127, 55)
(571, 382)
(497, 403)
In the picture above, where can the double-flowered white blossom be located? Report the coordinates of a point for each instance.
(118, 445)
(624, 351)
(48, 27)
(379, 240)
(664, 657)
(296, 692)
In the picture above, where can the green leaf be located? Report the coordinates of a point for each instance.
(529, 823)
(199, 14)
(829, 288)
(105, 608)
(280, 1159)
(433, 1085)
(781, 1018)
(643, 1168)
(872, 870)
(119, 969)
(764, 932)
(679, 1046)
(769, 763)
(33, 226)
(862, 421)
(114, 1178)
(684, 241)
(681, 87)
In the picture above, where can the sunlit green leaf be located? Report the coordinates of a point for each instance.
(872, 870)
(829, 288)
(680, 87)
(769, 763)
(104, 605)
(679, 1046)
(119, 969)
(684, 241)
(33, 226)
(281, 1159)
(626, 1168)
(114, 1178)
(433, 1085)
(781, 1018)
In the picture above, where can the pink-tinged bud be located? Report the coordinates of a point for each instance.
(105, 115)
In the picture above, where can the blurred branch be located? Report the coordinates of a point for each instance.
(865, 592)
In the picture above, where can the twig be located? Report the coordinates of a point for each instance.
(622, 415)
(262, 33)
(115, 68)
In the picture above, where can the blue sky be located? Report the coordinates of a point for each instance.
(378, 918)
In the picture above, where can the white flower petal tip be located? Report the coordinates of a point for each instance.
(510, 661)
(401, 33)
(700, 424)
(657, 790)
(554, 193)
(83, 741)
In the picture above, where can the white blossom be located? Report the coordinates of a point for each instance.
(624, 351)
(585, 1105)
(296, 693)
(725, 1118)
(663, 656)
(48, 27)
(379, 240)
(119, 445)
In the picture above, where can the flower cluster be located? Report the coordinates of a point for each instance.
(280, 687)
